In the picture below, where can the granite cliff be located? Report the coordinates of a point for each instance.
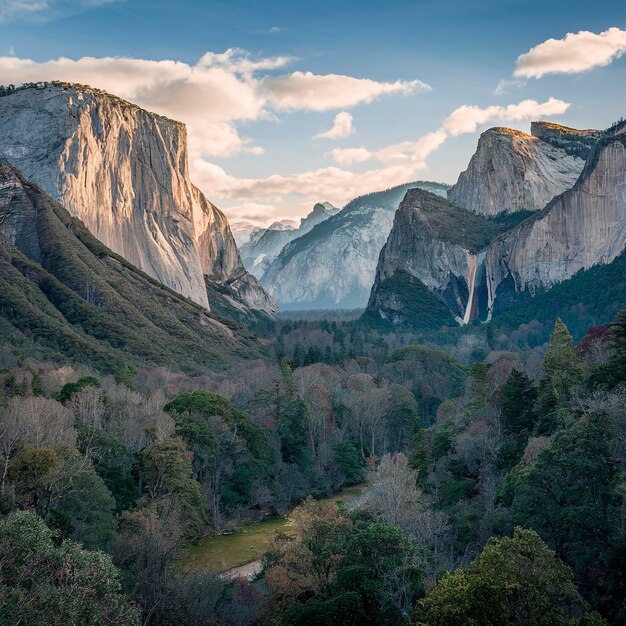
(512, 171)
(443, 262)
(124, 172)
(434, 252)
(581, 228)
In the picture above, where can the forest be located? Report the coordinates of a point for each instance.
(492, 466)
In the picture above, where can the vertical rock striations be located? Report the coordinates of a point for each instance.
(124, 172)
(512, 171)
(583, 227)
(439, 255)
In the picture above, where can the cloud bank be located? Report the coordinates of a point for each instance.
(213, 96)
(398, 163)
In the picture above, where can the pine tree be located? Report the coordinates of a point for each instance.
(517, 416)
(563, 372)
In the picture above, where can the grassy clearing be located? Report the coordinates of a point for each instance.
(219, 552)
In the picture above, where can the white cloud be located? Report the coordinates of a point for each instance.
(315, 92)
(348, 156)
(399, 163)
(213, 96)
(464, 119)
(575, 53)
(467, 118)
(275, 29)
(342, 127)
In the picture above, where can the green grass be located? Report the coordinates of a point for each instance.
(219, 552)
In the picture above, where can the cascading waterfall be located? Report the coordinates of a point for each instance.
(475, 261)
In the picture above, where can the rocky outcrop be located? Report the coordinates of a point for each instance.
(512, 171)
(581, 228)
(265, 244)
(124, 172)
(434, 248)
(333, 265)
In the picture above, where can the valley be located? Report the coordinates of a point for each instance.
(403, 407)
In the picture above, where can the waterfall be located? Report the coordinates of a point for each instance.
(475, 261)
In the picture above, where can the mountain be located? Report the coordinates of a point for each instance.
(124, 172)
(265, 244)
(428, 266)
(333, 265)
(581, 228)
(66, 296)
(512, 171)
(442, 262)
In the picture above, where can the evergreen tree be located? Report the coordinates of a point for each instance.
(614, 372)
(563, 372)
(515, 580)
(517, 415)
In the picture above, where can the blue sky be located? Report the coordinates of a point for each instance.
(254, 113)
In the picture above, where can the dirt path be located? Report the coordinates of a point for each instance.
(247, 571)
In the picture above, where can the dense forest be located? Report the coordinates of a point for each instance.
(492, 465)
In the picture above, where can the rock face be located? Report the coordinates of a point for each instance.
(583, 227)
(512, 171)
(479, 267)
(265, 244)
(124, 172)
(434, 249)
(333, 265)
(67, 295)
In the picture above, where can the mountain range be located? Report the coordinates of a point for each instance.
(99, 221)
(265, 244)
(333, 265)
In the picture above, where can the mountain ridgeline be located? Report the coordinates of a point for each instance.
(265, 244)
(66, 296)
(443, 263)
(124, 172)
(333, 265)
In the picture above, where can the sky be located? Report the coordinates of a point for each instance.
(289, 103)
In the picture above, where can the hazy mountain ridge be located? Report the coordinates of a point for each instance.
(333, 266)
(265, 244)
